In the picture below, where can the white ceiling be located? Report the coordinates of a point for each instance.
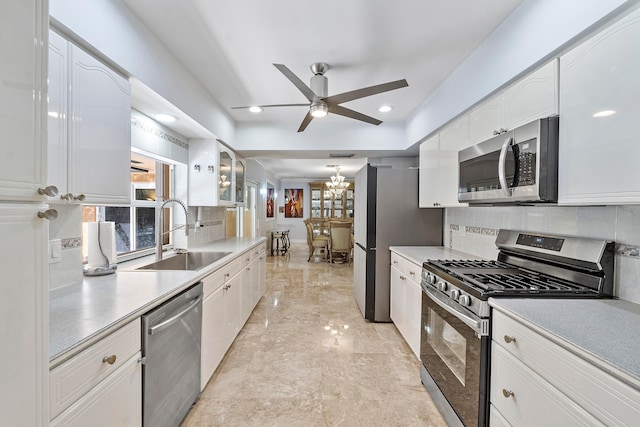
(230, 47)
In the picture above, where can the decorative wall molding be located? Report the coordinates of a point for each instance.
(159, 133)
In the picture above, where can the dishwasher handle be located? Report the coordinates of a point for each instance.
(173, 319)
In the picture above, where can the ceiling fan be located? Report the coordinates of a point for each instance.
(320, 104)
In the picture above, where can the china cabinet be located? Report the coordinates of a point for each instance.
(325, 205)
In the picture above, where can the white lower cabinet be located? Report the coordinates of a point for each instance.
(406, 300)
(536, 381)
(116, 401)
(102, 385)
(230, 295)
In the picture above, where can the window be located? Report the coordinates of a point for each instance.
(135, 225)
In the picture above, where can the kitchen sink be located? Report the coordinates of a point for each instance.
(185, 261)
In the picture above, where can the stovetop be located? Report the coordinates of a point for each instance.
(496, 278)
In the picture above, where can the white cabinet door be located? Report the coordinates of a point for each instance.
(99, 131)
(397, 299)
(226, 175)
(599, 110)
(413, 310)
(233, 314)
(429, 173)
(486, 119)
(116, 401)
(57, 129)
(532, 97)
(203, 172)
(22, 102)
(23, 315)
(214, 334)
(453, 138)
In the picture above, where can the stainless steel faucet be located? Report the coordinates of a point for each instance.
(159, 233)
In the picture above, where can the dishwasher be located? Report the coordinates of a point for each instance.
(171, 350)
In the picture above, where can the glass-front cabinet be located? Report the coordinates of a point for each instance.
(225, 177)
(213, 171)
(324, 204)
(240, 173)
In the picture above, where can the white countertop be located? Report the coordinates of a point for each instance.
(602, 330)
(419, 254)
(82, 313)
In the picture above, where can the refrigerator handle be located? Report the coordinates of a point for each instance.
(372, 249)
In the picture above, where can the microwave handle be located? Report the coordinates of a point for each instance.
(502, 166)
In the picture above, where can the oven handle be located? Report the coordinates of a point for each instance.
(502, 166)
(477, 324)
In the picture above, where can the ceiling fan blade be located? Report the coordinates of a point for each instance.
(306, 90)
(271, 105)
(305, 122)
(365, 91)
(346, 112)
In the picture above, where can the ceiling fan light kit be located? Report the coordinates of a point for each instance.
(320, 104)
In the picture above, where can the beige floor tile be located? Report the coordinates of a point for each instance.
(306, 357)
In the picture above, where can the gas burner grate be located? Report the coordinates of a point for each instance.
(470, 264)
(525, 282)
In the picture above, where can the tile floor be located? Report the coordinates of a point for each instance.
(306, 357)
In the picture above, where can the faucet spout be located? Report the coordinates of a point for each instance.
(159, 232)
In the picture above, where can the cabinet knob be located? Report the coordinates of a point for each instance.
(412, 273)
(79, 197)
(67, 196)
(403, 278)
(196, 168)
(507, 393)
(210, 168)
(509, 339)
(109, 359)
(50, 190)
(49, 214)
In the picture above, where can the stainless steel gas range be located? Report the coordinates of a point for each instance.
(456, 318)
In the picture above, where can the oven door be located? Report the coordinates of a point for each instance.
(454, 350)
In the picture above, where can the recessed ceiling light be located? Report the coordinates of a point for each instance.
(255, 109)
(604, 113)
(165, 118)
(385, 108)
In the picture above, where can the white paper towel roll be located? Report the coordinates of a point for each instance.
(107, 241)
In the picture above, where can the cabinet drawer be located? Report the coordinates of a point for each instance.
(525, 398)
(405, 267)
(75, 377)
(216, 279)
(116, 401)
(606, 397)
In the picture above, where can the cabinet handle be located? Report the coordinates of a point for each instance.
(227, 275)
(79, 197)
(48, 214)
(403, 278)
(109, 359)
(67, 196)
(507, 393)
(50, 190)
(509, 339)
(196, 168)
(412, 273)
(395, 262)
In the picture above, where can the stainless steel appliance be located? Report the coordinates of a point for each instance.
(456, 318)
(520, 165)
(386, 214)
(171, 350)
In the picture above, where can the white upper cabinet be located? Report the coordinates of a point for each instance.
(599, 124)
(439, 165)
(532, 97)
(89, 127)
(212, 169)
(22, 107)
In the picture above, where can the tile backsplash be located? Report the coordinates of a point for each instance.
(212, 225)
(474, 229)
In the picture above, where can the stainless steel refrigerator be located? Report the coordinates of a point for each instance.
(386, 214)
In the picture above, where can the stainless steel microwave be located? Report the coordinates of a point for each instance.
(517, 166)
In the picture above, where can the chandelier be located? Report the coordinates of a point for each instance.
(223, 182)
(337, 185)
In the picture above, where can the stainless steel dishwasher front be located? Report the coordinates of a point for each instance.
(171, 349)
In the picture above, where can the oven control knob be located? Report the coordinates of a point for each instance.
(443, 286)
(465, 300)
(455, 294)
(431, 278)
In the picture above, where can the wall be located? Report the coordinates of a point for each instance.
(473, 230)
(257, 173)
